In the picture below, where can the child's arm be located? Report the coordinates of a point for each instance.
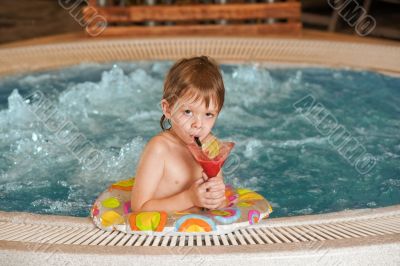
(149, 173)
(199, 194)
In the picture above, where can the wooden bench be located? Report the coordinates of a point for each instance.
(238, 19)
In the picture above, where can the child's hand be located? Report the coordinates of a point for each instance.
(216, 191)
(210, 194)
(223, 204)
(220, 177)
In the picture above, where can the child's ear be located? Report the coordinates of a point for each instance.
(166, 108)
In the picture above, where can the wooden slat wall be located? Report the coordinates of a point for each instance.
(189, 19)
(198, 12)
(25, 19)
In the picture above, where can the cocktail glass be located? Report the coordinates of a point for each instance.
(212, 153)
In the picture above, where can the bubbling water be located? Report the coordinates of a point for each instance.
(278, 152)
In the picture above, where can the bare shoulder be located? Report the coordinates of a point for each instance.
(158, 144)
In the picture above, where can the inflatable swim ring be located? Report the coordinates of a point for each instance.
(112, 211)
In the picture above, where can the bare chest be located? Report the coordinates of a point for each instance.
(180, 170)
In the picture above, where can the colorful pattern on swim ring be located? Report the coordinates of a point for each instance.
(125, 185)
(127, 207)
(269, 208)
(110, 203)
(250, 196)
(226, 215)
(111, 211)
(148, 221)
(111, 218)
(95, 210)
(230, 194)
(195, 223)
(242, 191)
(253, 216)
(245, 204)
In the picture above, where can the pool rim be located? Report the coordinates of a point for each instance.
(279, 52)
(380, 240)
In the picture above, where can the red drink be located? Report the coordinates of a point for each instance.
(211, 166)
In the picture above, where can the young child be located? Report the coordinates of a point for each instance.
(167, 177)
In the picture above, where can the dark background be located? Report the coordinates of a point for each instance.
(25, 19)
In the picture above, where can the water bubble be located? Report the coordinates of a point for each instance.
(34, 136)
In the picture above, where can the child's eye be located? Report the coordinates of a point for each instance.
(188, 112)
(210, 115)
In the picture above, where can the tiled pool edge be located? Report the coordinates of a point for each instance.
(358, 250)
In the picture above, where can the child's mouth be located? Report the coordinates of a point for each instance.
(194, 137)
(197, 140)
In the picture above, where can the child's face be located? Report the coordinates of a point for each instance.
(190, 119)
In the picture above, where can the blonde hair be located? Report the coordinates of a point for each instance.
(200, 76)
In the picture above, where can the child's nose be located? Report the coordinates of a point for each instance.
(197, 123)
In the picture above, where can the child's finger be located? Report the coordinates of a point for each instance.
(218, 187)
(215, 205)
(210, 185)
(215, 181)
(218, 191)
(214, 195)
(204, 187)
(204, 175)
(198, 181)
(212, 202)
(222, 205)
